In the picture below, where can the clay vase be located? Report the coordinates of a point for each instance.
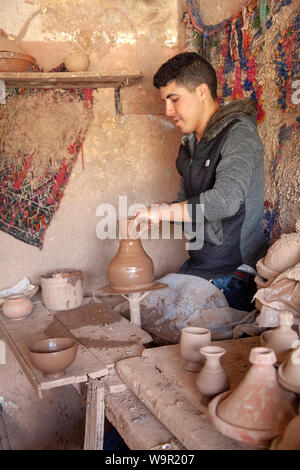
(17, 307)
(192, 338)
(282, 338)
(289, 373)
(290, 439)
(131, 268)
(212, 379)
(259, 409)
(78, 62)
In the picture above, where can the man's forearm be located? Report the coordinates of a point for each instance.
(175, 212)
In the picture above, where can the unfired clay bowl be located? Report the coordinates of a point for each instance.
(52, 356)
(78, 62)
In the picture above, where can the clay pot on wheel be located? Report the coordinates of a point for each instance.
(212, 379)
(131, 268)
(17, 307)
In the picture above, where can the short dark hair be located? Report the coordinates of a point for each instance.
(188, 69)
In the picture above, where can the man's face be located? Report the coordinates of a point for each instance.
(183, 106)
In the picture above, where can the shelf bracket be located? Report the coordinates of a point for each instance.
(2, 92)
(118, 101)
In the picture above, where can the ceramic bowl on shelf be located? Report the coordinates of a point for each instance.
(15, 61)
(53, 356)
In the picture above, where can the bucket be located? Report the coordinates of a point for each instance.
(62, 289)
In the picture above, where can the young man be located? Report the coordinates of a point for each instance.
(221, 165)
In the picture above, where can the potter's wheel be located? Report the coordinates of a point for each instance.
(284, 383)
(254, 437)
(108, 290)
(134, 297)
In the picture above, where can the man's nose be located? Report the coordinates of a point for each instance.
(169, 108)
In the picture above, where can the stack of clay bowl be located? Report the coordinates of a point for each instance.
(12, 56)
(282, 255)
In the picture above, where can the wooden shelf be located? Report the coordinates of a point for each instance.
(66, 80)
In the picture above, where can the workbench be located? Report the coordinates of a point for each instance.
(143, 391)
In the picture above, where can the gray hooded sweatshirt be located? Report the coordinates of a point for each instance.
(224, 171)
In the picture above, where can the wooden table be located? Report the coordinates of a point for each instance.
(144, 392)
(160, 382)
(104, 338)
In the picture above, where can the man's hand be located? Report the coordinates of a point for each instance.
(153, 215)
(144, 218)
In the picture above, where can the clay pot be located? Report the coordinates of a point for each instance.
(282, 338)
(290, 439)
(259, 409)
(212, 379)
(52, 356)
(131, 268)
(289, 372)
(17, 307)
(192, 339)
(78, 62)
(283, 254)
(62, 289)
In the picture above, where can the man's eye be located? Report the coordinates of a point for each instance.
(174, 100)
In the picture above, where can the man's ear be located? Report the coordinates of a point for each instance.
(202, 91)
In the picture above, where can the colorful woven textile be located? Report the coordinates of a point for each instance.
(26, 210)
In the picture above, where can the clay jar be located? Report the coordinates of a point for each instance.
(192, 338)
(17, 307)
(212, 379)
(282, 338)
(259, 409)
(131, 268)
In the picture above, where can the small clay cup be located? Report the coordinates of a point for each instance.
(52, 356)
(192, 339)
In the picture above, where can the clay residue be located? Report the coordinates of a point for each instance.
(92, 314)
(104, 343)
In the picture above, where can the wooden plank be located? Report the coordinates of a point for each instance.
(41, 325)
(170, 362)
(23, 363)
(140, 429)
(95, 413)
(186, 422)
(105, 333)
(67, 80)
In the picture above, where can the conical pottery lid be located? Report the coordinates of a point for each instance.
(259, 402)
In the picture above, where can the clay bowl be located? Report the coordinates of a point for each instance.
(15, 61)
(52, 356)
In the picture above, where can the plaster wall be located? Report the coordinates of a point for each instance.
(132, 155)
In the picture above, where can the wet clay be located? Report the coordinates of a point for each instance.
(131, 267)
